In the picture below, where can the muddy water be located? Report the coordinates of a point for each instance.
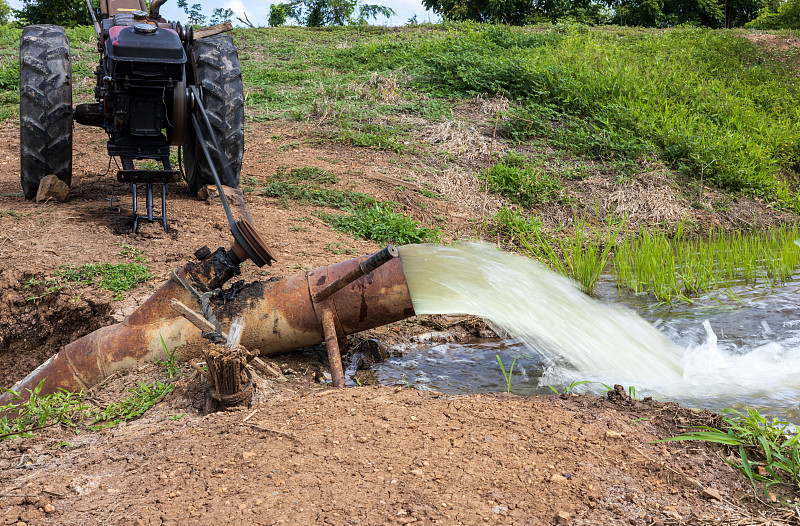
(720, 352)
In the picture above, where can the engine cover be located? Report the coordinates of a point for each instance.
(154, 55)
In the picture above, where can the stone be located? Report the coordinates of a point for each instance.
(49, 508)
(558, 479)
(711, 494)
(51, 187)
(562, 517)
(210, 193)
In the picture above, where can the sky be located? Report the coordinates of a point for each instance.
(258, 12)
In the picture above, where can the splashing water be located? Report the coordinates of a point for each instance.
(579, 338)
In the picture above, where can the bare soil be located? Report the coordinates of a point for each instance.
(305, 454)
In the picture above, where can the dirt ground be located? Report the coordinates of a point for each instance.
(303, 453)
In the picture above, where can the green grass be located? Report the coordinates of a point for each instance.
(70, 410)
(114, 277)
(524, 184)
(764, 451)
(363, 216)
(512, 223)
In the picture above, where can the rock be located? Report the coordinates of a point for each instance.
(49, 508)
(614, 434)
(711, 494)
(248, 455)
(51, 187)
(210, 193)
(559, 479)
(500, 510)
(418, 472)
(562, 517)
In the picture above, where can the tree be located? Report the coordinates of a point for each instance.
(194, 13)
(5, 12)
(517, 12)
(778, 15)
(67, 13)
(277, 14)
(318, 13)
(221, 15)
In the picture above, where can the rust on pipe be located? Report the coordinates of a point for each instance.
(279, 316)
(332, 346)
(364, 267)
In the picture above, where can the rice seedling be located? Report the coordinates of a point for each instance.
(677, 267)
(581, 255)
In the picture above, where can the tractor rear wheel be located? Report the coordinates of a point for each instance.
(216, 71)
(45, 106)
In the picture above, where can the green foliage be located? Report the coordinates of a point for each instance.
(773, 446)
(568, 389)
(114, 277)
(221, 15)
(778, 15)
(517, 12)
(382, 223)
(39, 412)
(364, 216)
(277, 14)
(318, 13)
(70, 410)
(5, 12)
(170, 364)
(67, 13)
(521, 182)
(679, 266)
(581, 255)
(509, 375)
(141, 399)
(194, 13)
(511, 223)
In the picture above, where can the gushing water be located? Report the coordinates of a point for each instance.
(574, 337)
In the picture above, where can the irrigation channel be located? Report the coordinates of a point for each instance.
(718, 352)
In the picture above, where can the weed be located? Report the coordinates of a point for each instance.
(568, 389)
(522, 183)
(132, 253)
(141, 399)
(173, 369)
(768, 452)
(380, 222)
(509, 375)
(340, 248)
(177, 417)
(115, 277)
(38, 412)
(512, 223)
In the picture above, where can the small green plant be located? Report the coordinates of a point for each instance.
(568, 389)
(173, 369)
(767, 451)
(132, 253)
(115, 277)
(511, 223)
(524, 184)
(38, 412)
(581, 255)
(177, 417)
(509, 375)
(380, 222)
(141, 399)
(340, 248)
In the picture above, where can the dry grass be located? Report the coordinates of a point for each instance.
(465, 190)
(380, 89)
(462, 140)
(648, 197)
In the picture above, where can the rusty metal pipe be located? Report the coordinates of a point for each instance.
(364, 267)
(279, 316)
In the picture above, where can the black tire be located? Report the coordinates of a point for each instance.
(45, 106)
(215, 70)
